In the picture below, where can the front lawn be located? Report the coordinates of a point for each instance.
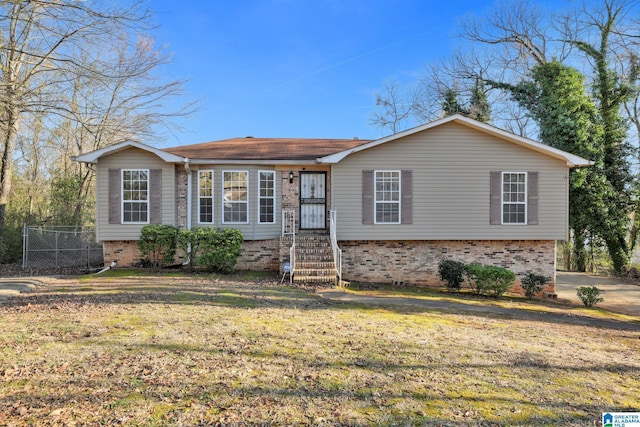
(197, 351)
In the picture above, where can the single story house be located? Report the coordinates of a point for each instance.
(384, 210)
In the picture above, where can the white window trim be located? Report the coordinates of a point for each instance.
(260, 197)
(200, 197)
(123, 201)
(375, 197)
(246, 202)
(525, 203)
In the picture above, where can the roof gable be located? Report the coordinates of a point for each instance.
(93, 156)
(571, 159)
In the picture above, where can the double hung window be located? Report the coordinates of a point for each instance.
(205, 197)
(235, 197)
(267, 197)
(387, 197)
(514, 197)
(135, 196)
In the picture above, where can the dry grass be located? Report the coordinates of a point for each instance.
(194, 351)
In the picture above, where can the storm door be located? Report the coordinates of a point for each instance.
(313, 202)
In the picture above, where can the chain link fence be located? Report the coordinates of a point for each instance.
(47, 247)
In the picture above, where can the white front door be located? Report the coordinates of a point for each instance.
(313, 202)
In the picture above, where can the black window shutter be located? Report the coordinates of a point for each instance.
(114, 184)
(495, 197)
(406, 216)
(155, 196)
(367, 197)
(532, 198)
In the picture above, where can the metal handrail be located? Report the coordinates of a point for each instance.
(292, 259)
(289, 228)
(288, 222)
(337, 252)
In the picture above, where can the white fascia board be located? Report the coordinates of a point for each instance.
(571, 159)
(93, 156)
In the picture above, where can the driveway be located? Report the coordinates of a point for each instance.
(10, 287)
(620, 294)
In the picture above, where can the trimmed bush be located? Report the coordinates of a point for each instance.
(489, 279)
(533, 284)
(219, 249)
(452, 273)
(473, 272)
(589, 295)
(189, 241)
(158, 244)
(212, 249)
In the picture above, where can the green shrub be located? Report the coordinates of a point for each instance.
(190, 242)
(490, 279)
(474, 271)
(11, 245)
(533, 283)
(589, 295)
(219, 249)
(158, 244)
(452, 273)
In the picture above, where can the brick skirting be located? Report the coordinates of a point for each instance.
(124, 252)
(259, 255)
(416, 262)
(411, 262)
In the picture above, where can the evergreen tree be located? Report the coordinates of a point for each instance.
(610, 93)
(570, 120)
(451, 103)
(479, 107)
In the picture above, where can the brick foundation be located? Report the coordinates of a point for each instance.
(416, 262)
(412, 262)
(124, 252)
(259, 255)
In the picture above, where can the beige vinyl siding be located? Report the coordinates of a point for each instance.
(253, 230)
(451, 175)
(132, 158)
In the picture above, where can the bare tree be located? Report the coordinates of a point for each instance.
(519, 27)
(57, 60)
(395, 106)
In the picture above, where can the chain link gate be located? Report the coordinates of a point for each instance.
(46, 247)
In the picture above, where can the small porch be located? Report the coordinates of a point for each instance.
(309, 256)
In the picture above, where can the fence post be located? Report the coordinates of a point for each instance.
(57, 234)
(25, 244)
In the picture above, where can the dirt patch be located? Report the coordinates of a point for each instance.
(621, 294)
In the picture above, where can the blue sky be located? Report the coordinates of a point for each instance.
(298, 68)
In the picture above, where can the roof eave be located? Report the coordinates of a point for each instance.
(572, 160)
(94, 156)
(252, 162)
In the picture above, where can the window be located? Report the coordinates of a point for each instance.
(205, 196)
(267, 197)
(235, 197)
(387, 197)
(135, 196)
(514, 197)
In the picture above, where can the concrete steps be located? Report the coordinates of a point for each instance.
(314, 259)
